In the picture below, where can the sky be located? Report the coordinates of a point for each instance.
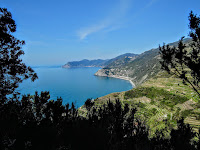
(58, 31)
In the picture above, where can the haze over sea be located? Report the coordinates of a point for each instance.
(73, 85)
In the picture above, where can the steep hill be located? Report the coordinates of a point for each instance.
(120, 60)
(139, 69)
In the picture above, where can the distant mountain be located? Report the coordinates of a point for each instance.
(85, 63)
(100, 62)
(137, 69)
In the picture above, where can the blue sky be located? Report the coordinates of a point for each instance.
(58, 31)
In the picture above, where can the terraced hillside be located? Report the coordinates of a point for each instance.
(160, 102)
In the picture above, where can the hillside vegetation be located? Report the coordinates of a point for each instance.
(160, 102)
(140, 69)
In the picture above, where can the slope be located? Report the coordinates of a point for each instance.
(139, 69)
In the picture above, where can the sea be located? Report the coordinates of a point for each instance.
(72, 84)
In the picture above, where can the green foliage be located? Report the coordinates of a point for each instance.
(152, 102)
(153, 93)
(186, 113)
(154, 111)
(141, 105)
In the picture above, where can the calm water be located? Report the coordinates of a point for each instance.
(73, 85)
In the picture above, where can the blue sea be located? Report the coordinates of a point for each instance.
(73, 84)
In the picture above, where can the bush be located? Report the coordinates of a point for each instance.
(185, 113)
(153, 93)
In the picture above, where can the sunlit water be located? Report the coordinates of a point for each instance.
(73, 85)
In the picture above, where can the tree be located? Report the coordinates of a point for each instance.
(12, 70)
(182, 136)
(182, 62)
(89, 103)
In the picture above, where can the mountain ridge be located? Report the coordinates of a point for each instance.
(140, 69)
(85, 63)
(97, 62)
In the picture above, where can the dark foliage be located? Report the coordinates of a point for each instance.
(89, 103)
(182, 62)
(36, 122)
(12, 70)
(39, 123)
(181, 138)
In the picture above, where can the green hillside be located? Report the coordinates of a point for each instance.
(139, 69)
(160, 102)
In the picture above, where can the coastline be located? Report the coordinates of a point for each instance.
(123, 78)
(112, 76)
(119, 77)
